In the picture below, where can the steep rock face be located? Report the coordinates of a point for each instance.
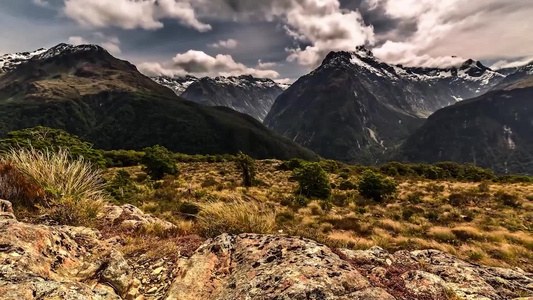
(106, 101)
(246, 94)
(492, 131)
(354, 107)
(250, 266)
(58, 262)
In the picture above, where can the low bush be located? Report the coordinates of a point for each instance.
(329, 166)
(121, 187)
(313, 181)
(508, 199)
(122, 158)
(347, 185)
(375, 186)
(158, 162)
(292, 164)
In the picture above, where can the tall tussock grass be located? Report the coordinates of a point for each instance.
(73, 188)
(235, 217)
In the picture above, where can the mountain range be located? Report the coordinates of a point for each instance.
(493, 130)
(246, 94)
(353, 108)
(357, 109)
(107, 101)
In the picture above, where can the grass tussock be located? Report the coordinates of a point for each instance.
(235, 217)
(73, 188)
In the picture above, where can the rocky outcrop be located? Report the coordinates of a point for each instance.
(130, 217)
(253, 266)
(59, 262)
(62, 262)
(250, 266)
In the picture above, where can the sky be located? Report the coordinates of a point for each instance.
(278, 39)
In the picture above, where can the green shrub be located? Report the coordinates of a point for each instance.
(158, 161)
(246, 165)
(121, 187)
(48, 139)
(313, 181)
(477, 174)
(415, 198)
(122, 158)
(347, 185)
(376, 186)
(507, 199)
(292, 164)
(329, 165)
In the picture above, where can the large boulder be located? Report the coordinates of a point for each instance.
(250, 266)
(130, 217)
(58, 262)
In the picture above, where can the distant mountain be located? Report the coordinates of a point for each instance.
(104, 100)
(177, 84)
(494, 131)
(355, 108)
(246, 94)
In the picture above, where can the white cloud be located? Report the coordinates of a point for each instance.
(266, 65)
(156, 69)
(77, 40)
(503, 64)
(200, 64)
(479, 29)
(110, 43)
(131, 14)
(227, 44)
(321, 24)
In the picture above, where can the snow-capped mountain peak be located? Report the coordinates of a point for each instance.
(10, 61)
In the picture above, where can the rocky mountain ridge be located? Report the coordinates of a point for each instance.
(492, 130)
(246, 94)
(355, 108)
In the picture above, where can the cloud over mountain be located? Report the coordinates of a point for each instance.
(200, 63)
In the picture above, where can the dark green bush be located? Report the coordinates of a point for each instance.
(122, 158)
(246, 165)
(347, 185)
(122, 188)
(292, 164)
(158, 162)
(415, 198)
(477, 174)
(313, 181)
(376, 186)
(507, 199)
(329, 166)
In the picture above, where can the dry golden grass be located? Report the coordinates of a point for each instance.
(74, 189)
(479, 229)
(235, 217)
